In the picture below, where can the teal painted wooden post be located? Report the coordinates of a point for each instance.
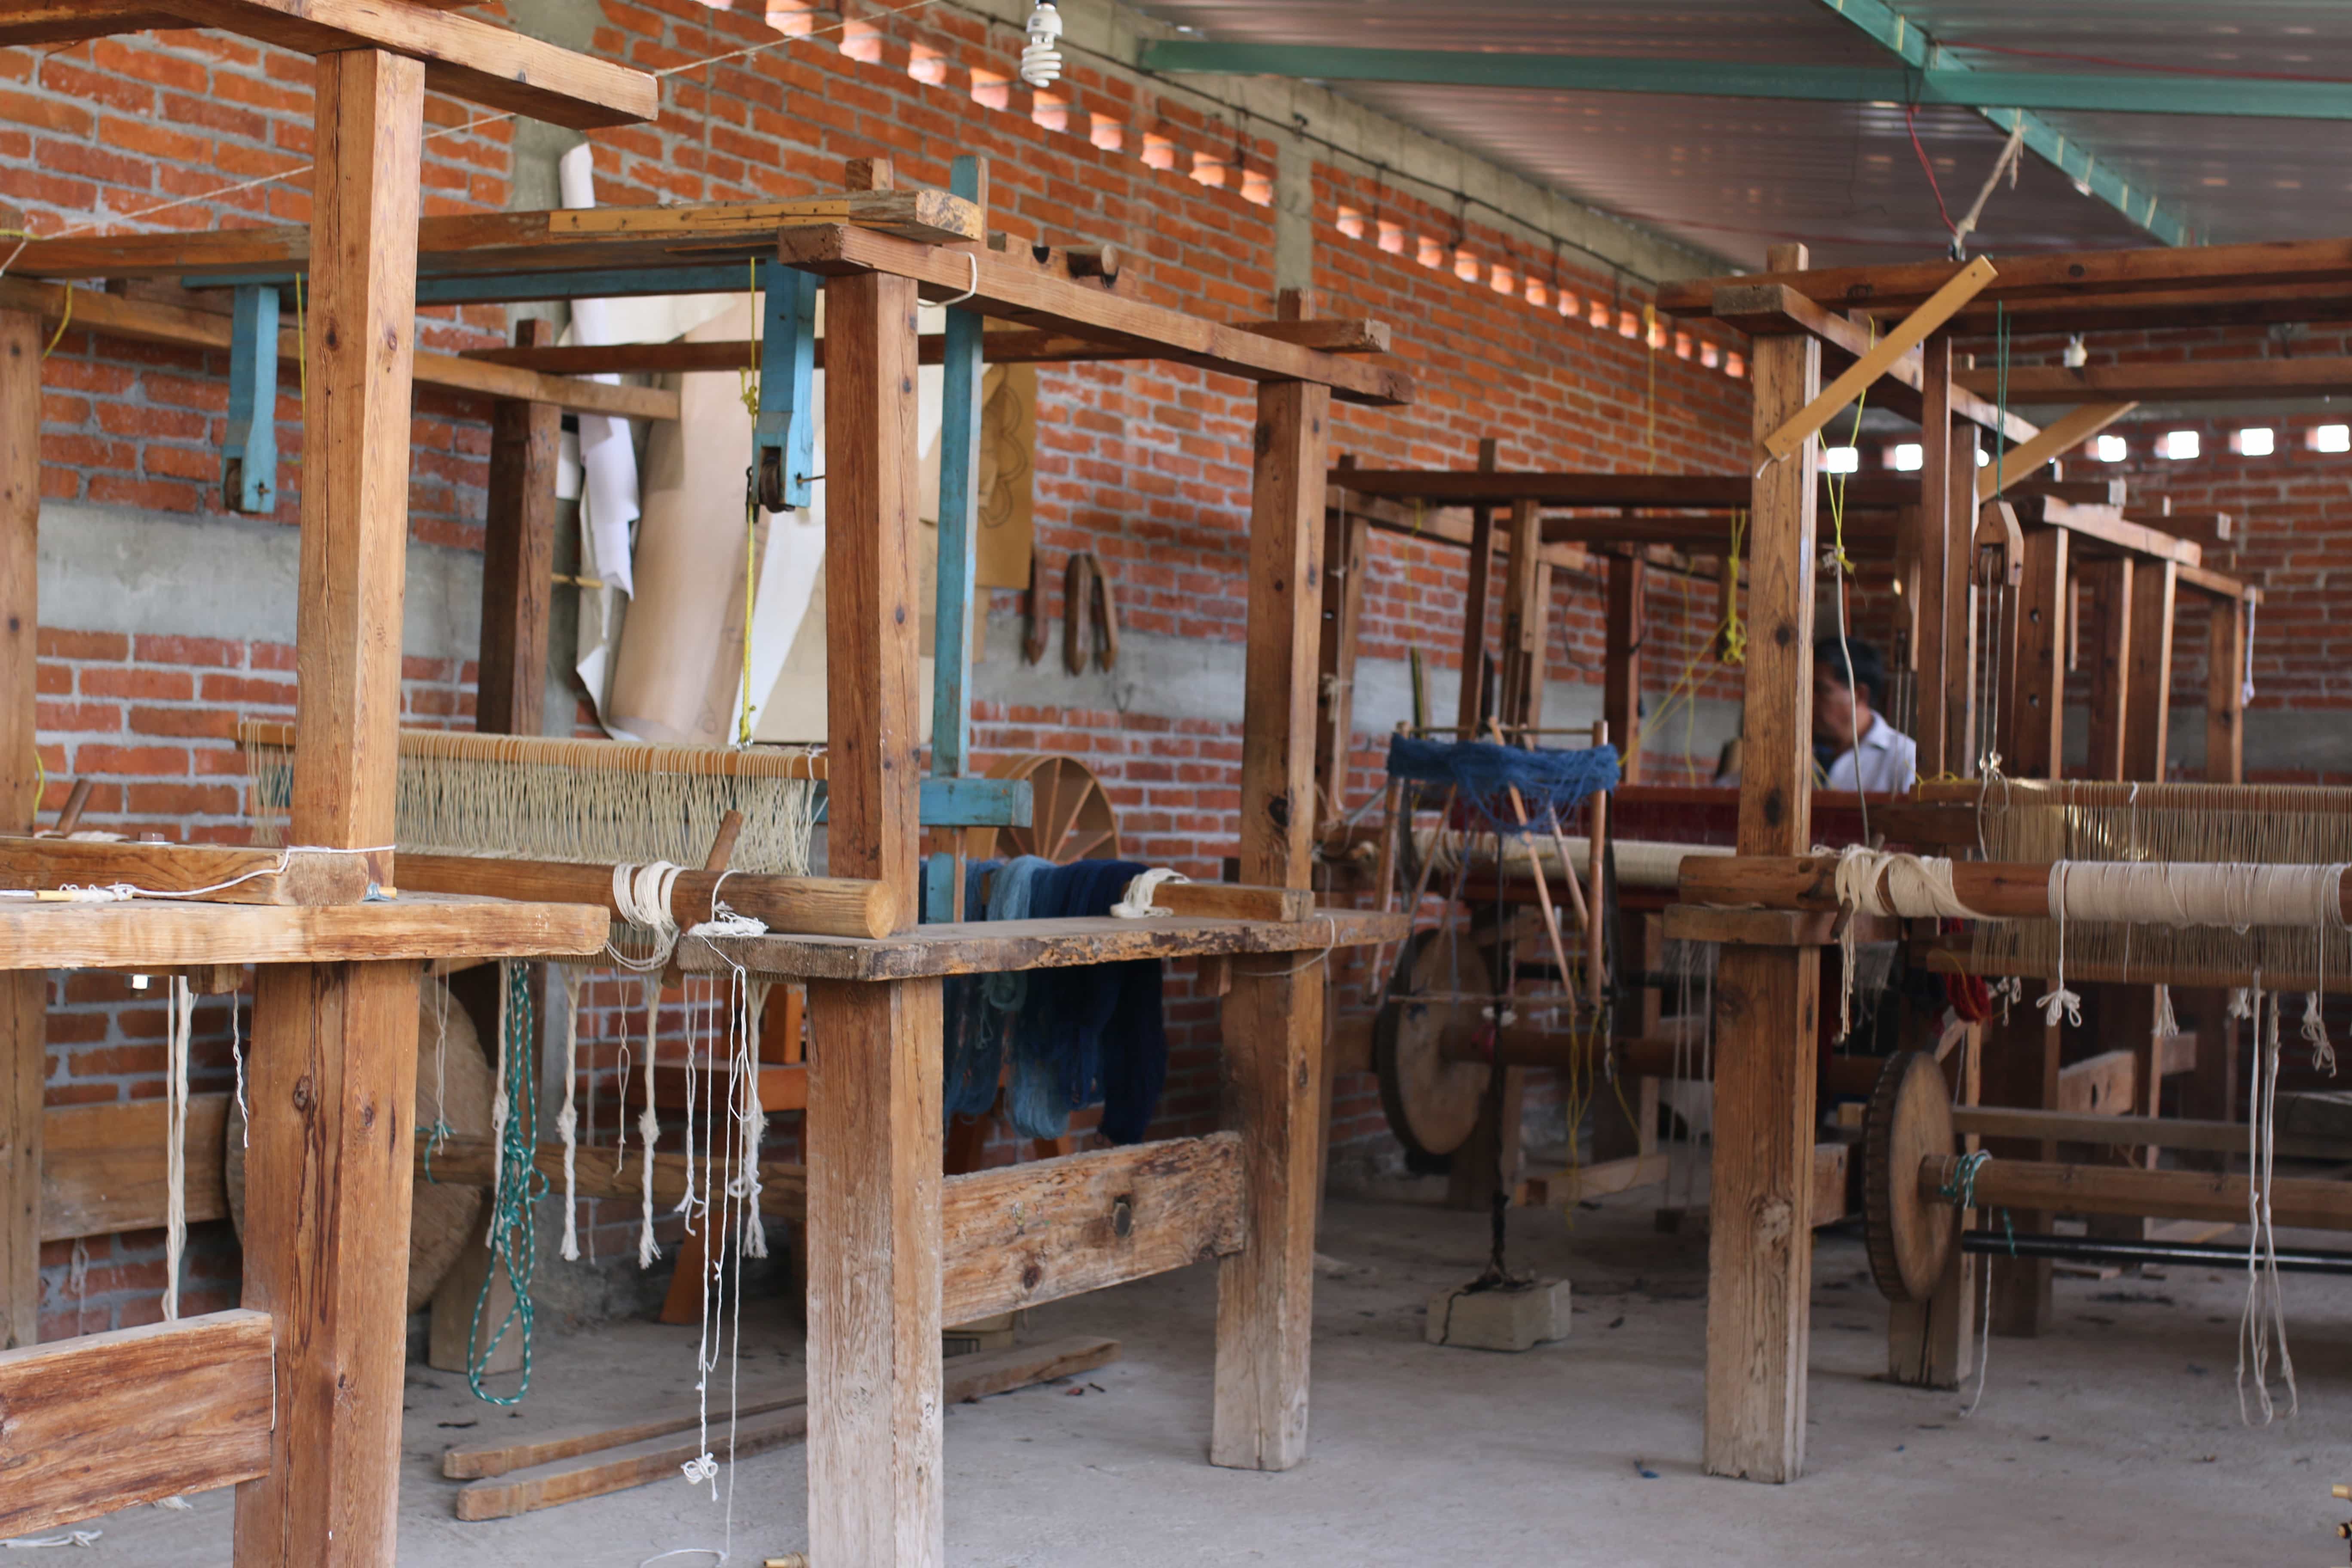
(783, 438)
(958, 520)
(249, 452)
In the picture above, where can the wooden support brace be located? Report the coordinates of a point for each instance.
(2059, 437)
(1782, 442)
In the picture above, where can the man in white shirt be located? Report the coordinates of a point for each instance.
(1866, 752)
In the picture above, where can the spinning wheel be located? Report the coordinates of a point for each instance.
(1072, 817)
(441, 1218)
(1432, 1099)
(1910, 1235)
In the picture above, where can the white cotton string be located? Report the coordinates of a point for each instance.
(236, 1060)
(2167, 1022)
(1908, 887)
(642, 896)
(177, 1026)
(2328, 918)
(1136, 904)
(567, 1120)
(2058, 999)
(2257, 1325)
(648, 1129)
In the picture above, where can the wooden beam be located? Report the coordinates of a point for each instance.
(134, 1416)
(105, 1170)
(2137, 1131)
(519, 559)
(333, 1067)
(2317, 1203)
(1273, 1016)
(2110, 586)
(1876, 360)
(1022, 1234)
(2056, 439)
(1760, 1269)
(2148, 718)
(147, 936)
(2225, 706)
(823, 906)
(1934, 655)
(1347, 562)
(2105, 1082)
(2105, 529)
(2173, 381)
(2035, 746)
(24, 995)
(462, 56)
(1035, 299)
(1523, 620)
(218, 873)
(1620, 680)
(1469, 705)
(149, 320)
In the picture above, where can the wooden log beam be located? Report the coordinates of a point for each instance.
(464, 58)
(1760, 1258)
(217, 873)
(1994, 889)
(134, 1416)
(24, 994)
(2314, 1202)
(2178, 380)
(2139, 1131)
(823, 906)
(519, 558)
(2148, 718)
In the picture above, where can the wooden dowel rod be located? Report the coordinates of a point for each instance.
(2047, 1186)
(802, 906)
(2149, 1132)
(473, 1163)
(1996, 890)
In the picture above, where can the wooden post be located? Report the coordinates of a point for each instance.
(1620, 680)
(1346, 545)
(1962, 744)
(1272, 1021)
(2225, 700)
(24, 994)
(1467, 709)
(1932, 649)
(2111, 589)
(2021, 1068)
(873, 1118)
(2036, 743)
(519, 559)
(332, 1081)
(1523, 622)
(1760, 1256)
(2148, 717)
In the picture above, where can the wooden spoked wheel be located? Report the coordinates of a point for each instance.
(1071, 815)
(441, 1218)
(1434, 1100)
(1910, 1234)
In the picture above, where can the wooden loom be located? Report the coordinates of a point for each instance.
(1765, 1104)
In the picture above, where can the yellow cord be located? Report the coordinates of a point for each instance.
(1735, 630)
(747, 377)
(63, 323)
(1837, 483)
(748, 381)
(1650, 402)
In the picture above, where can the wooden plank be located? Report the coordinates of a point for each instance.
(462, 56)
(2225, 704)
(2035, 746)
(1470, 701)
(2061, 437)
(105, 1171)
(519, 559)
(1347, 562)
(1523, 582)
(145, 935)
(2173, 381)
(2103, 1084)
(2319, 1204)
(2124, 1131)
(1273, 1015)
(131, 1417)
(1759, 1264)
(1620, 680)
(2220, 584)
(149, 320)
(2110, 586)
(1748, 928)
(333, 1067)
(967, 1378)
(23, 998)
(1037, 300)
(279, 877)
(2148, 717)
(2106, 527)
(1932, 312)
(825, 906)
(1932, 652)
(1576, 1184)
(1021, 1234)
(1233, 902)
(928, 216)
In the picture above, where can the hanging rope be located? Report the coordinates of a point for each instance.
(513, 1238)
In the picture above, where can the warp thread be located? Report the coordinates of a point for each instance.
(2265, 1310)
(1885, 884)
(567, 1120)
(178, 1025)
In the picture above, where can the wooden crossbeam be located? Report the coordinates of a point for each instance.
(116, 1419)
(2056, 440)
(463, 57)
(1694, 492)
(1878, 359)
(229, 874)
(1019, 292)
(2175, 381)
(147, 936)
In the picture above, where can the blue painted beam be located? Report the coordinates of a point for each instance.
(960, 410)
(249, 452)
(783, 438)
(966, 803)
(1947, 83)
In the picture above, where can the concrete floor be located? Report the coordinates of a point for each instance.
(2115, 1439)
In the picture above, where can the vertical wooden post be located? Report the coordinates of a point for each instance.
(1621, 679)
(1523, 621)
(957, 577)
(1962, 744)
(1346, 545)
(873, 1134)
(1272, 1021)
(332, 1083)
(1472, 698)
(2036, 743)
(1760, 1255)
(2021, 1068)
(2148, 718)
(24, 994)
(519, 559)
(1932, 649)
(2111, 590)
(2225, 701)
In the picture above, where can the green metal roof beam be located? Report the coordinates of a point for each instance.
(1948, 86)
(1895, 31)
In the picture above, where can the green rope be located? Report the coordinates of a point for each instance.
(513, 1228)
(1959, 1190)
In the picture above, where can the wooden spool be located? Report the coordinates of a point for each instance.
(1910, 1235)
(441, 1218)
(1071, 818)
(1432, 1097)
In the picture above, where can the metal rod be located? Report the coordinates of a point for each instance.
(2100, 1250)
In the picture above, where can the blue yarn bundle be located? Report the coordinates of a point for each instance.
(1075, 1036)
(1550, 783)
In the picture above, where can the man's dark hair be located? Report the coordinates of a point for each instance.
(1869, 668)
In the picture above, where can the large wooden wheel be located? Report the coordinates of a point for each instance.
(1433, 1098)
(1910, 1235)
(441, 1218)
(1071, 818)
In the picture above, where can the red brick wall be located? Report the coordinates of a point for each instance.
(1147, 466)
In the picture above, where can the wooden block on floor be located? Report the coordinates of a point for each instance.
(1504, 1317)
